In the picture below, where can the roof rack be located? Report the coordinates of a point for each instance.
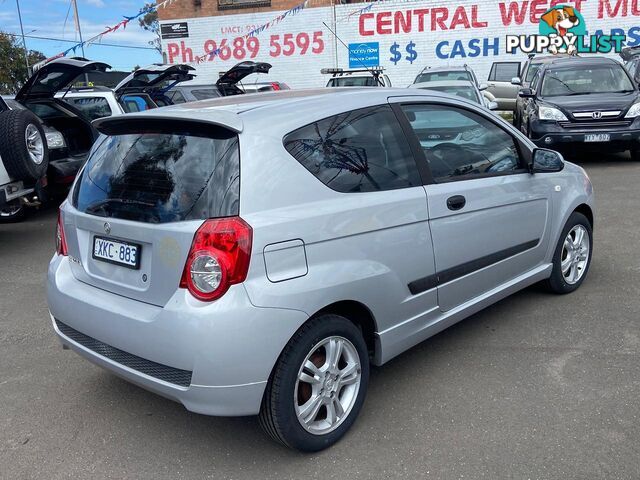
(341, 71)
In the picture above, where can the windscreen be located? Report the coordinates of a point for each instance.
(439, 76)
(585, 80)
(353, 82)
(465, 92)
(161, 177)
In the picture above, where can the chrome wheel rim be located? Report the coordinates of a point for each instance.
(327, 385)
(35, 144)
(575, 254)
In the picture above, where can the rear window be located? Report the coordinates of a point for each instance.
(92, 107)
(161, 177)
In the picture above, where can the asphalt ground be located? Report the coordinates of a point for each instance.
(535, 387)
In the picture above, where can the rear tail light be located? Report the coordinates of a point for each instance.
(219, 258)
(275, 86)
(61, 241)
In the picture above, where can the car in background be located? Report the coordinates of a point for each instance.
(531, 66)
(588, 102)
(356, 77)
(440, 74)
(144, 89)
(461, 88)
(44, 141)
(631, 58)
(229, 83)
(259, 87)
(500, 89)
(181, 269)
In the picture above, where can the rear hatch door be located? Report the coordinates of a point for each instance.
(57, 75)
(146, 189)
(227, 83)
(154, 77)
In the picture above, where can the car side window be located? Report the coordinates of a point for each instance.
(363, 150)
(460, 143)
(92, 107)
(504, 71)
(536, 79)
(177, 97)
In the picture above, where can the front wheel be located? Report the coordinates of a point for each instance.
(572, 257)
(318, 386)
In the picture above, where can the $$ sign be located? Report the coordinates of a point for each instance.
(396, 56)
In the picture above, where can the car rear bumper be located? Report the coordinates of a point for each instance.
(213, 358)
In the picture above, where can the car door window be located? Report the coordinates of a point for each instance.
(504, 71)
(92, 107)
(461, 144)
(359, 151)
(177, 97)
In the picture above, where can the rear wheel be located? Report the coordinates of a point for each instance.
(318, 386)
(572, 257)
(23, 145)
(12, 212)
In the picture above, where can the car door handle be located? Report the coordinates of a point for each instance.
(456, 202)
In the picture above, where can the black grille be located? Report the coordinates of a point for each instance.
(596, 125)
(153, 369)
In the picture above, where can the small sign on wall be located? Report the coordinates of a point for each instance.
(364, 55)
(174, 30)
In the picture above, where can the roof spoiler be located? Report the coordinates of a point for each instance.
(151, 122)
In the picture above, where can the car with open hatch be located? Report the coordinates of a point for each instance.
(582, 102)
(254, 255)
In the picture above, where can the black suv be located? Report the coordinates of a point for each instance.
(582, 102)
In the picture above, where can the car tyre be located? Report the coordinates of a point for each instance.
(572, 257)
(635, 154)
(23, 147)
(318, 386)
(12, 212)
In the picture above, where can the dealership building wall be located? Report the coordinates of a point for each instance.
(402, 36)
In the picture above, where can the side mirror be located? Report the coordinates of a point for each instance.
(516, 81)
(492, 106)
(483, 86)
(543, 161)
(526, 93)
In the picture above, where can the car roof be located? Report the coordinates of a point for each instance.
(287, 109)
(451, 68)
(575, 62)
(444, 83)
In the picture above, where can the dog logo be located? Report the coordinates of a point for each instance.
(565, 22)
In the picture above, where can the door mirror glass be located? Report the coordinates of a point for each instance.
(483, 86)
(526, 93)
(546, 161)
(492, 106)
(516, 81)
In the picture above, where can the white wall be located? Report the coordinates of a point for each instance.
(479, 23)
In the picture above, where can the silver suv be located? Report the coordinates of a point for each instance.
(255, 254)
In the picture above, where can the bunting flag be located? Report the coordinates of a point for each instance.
(256, 31)
(110, 29)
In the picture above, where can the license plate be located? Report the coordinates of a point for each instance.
(117, 252)
(597, 137)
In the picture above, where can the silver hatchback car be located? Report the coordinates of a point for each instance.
(255, 254)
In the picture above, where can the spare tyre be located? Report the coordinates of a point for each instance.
(23, 145)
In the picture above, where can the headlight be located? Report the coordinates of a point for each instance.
(54, 140)
(550, 113)
(634, 111)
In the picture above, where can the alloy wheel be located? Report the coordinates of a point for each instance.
(575, 254)
(327, 385)
(35, 144)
